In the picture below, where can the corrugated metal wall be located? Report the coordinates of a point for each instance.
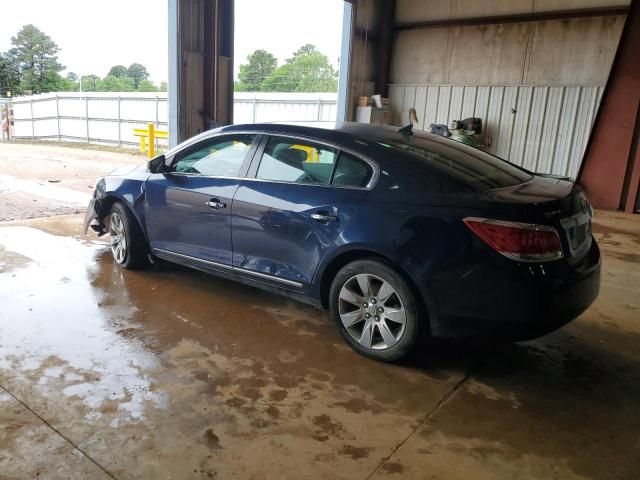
(544, 129)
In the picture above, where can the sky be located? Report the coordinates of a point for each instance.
(93, 36)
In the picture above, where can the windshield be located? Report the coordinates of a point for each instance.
(468, 165)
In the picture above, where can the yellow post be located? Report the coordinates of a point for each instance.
(143, 144)
(152, 140)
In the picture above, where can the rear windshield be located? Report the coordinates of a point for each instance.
(468, 165)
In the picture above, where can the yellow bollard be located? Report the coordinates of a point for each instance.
(152, 140)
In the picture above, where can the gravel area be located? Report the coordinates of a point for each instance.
(40, 180)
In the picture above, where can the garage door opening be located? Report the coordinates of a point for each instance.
(286, 60)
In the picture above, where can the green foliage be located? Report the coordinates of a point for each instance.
(306, 49)
(31, 66)
(35, 54)
(164, 87)
(9, 75)
(147, 86)
(308, 71)
(118, 71)
(111, 83)
(90, 83)
(252, 75)
(137, 73)
(66, 85)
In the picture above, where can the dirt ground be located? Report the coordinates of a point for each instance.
(38, 180)
(169, 373)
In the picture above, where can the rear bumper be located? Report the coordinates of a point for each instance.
(512, 301)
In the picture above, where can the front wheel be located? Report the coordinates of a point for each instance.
(128, 244)
(375, 310)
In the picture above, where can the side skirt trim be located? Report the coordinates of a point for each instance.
(181, 258)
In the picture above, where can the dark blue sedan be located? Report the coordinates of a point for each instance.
(401, 235)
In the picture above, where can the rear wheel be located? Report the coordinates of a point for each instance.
(128, 244)
(375, 310)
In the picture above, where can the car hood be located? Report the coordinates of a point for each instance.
(129, 170)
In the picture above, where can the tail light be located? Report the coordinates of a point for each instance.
(525, 242)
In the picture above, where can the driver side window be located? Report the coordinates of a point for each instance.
(218, 157)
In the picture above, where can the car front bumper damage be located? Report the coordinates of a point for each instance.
(93, 218)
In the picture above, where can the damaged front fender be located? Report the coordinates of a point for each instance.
(127, 189)
(91, 215)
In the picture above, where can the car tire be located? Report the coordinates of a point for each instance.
(128, 244)
(382, 323)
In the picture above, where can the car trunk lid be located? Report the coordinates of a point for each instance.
(554, 201)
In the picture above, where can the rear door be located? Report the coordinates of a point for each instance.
(298, 198)
(188, 208)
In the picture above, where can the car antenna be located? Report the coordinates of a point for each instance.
(408, 129)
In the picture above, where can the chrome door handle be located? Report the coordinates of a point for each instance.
(323, 217)
(215, 204)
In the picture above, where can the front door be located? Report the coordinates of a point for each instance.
(294, 210)
(188, 207)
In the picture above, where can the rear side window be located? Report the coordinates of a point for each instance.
(289, 160)
(462, 163)
(351, 172)
(300, 161)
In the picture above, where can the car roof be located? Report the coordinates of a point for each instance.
(321, 129)
(358, 136)
(341, 133)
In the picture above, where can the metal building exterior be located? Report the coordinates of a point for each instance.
(534, 71)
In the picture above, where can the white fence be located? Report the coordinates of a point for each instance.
(256, 107)
(96, 117)
(109, 118)
(544, 129)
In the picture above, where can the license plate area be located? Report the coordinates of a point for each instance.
(578, 233)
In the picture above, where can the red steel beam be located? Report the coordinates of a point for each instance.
(610, 170)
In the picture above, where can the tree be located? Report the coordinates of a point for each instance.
(9, 74)
(111, 83)
(118, 71)
(73, 77)
(147, 86)
(65, 84)
(260, 65)
(36, 56)
(307, 71)
(126, 85)
(90, 83)
(163, 87)
(306, 49)
(137, 73)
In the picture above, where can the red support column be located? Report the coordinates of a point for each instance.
(610, 171)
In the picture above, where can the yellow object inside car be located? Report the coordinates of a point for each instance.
(312, 154)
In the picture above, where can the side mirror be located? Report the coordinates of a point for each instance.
(156, 164)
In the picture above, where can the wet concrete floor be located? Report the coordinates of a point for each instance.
(169, 373)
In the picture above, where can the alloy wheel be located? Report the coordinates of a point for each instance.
(118, 237)
(371, 311)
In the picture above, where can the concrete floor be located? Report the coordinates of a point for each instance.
(169, 373)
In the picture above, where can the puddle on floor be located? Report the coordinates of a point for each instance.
(56, 330)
